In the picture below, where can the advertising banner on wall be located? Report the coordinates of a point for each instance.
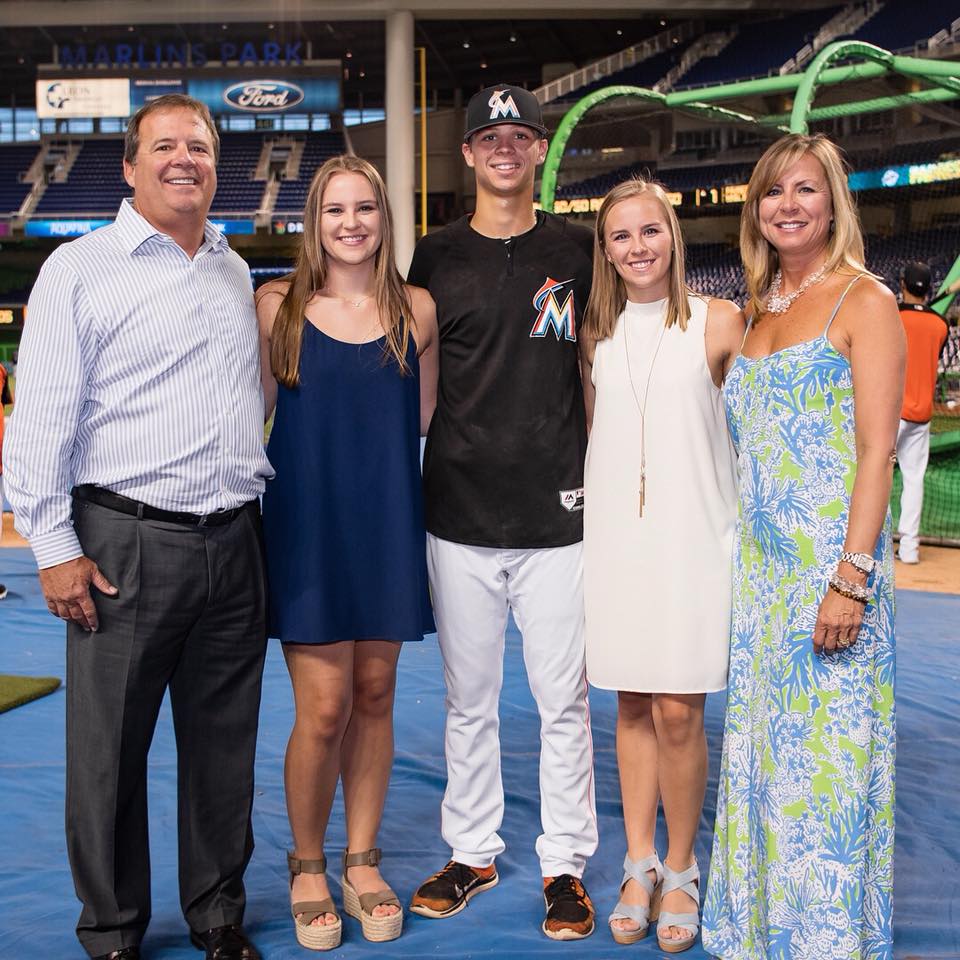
(77, 228)
(267, 93)
(234, 227)
(223, 92)
(62, 228)
(145, 89)
(100, 97)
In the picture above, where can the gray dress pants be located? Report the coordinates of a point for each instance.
(190, 617)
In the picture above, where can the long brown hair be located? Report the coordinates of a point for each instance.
(608, 296)
(845, 244)
(310, 276)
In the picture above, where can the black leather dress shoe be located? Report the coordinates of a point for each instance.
(225, 943)
(126, 953)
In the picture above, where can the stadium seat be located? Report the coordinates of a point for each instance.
(14, 162)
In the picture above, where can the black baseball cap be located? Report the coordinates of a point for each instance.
(503, 103)
(916, 278)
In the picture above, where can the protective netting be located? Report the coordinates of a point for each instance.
(940, 519)
(705, 168)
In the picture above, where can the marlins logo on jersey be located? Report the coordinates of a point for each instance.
(502, 108)
(551, 315)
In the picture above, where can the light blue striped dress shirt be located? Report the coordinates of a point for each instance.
(139, 372)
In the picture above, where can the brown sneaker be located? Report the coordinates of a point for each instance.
(448, 891)
(569, 908)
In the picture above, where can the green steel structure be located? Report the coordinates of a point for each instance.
(943, 76)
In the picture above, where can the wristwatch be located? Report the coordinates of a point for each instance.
(862, 561)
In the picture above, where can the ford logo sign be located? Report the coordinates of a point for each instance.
(263, 95)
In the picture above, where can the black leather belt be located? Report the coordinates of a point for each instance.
(143, 511)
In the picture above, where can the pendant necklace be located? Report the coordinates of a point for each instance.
(781, 304)
(641, 407)
(353, 303)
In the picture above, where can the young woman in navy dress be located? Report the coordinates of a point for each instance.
(349, 362)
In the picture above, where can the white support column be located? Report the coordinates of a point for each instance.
(401, 155)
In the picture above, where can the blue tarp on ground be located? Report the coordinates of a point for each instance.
(38, 908)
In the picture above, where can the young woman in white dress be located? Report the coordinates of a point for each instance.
(660, 505)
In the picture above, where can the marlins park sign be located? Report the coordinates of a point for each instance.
(159, 55)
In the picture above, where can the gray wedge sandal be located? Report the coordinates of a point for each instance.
(361, 906)
(687, 882)
(638, 913)
(313, 936)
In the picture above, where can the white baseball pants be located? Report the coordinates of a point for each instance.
(913, 452)
(474, 588)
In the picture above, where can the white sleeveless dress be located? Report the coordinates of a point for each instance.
(657, 587)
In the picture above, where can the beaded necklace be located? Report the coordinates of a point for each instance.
(781, 304)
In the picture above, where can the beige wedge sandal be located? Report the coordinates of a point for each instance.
(361, 906)
(319, 936)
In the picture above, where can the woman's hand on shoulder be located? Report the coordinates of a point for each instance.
(723, 337)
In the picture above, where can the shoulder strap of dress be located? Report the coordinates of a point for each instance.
(836, 309)
(746, 331)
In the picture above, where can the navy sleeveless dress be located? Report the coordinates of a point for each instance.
(343, 520)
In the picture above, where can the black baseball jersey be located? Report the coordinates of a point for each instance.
(503, 465)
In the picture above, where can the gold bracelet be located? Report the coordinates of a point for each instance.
(852, 591)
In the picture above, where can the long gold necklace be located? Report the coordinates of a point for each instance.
(641, 407)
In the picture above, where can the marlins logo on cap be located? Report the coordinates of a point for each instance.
(502, 108)
(503, 103)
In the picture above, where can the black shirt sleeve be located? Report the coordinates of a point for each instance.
(422, 264)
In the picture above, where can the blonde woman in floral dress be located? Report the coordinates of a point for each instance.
(802, 865)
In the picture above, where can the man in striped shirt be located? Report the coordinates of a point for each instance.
(134, 462)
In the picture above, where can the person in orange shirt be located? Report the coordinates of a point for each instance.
(926, 335)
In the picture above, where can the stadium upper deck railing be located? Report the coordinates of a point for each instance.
(943, 75)
(658, 43)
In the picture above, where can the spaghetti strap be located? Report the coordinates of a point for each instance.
(836, 309)
(746, 331)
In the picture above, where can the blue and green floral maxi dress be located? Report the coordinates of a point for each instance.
(802, 865)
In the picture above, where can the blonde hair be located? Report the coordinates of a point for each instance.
(845, 244)
(310, 276)
(608, 295)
